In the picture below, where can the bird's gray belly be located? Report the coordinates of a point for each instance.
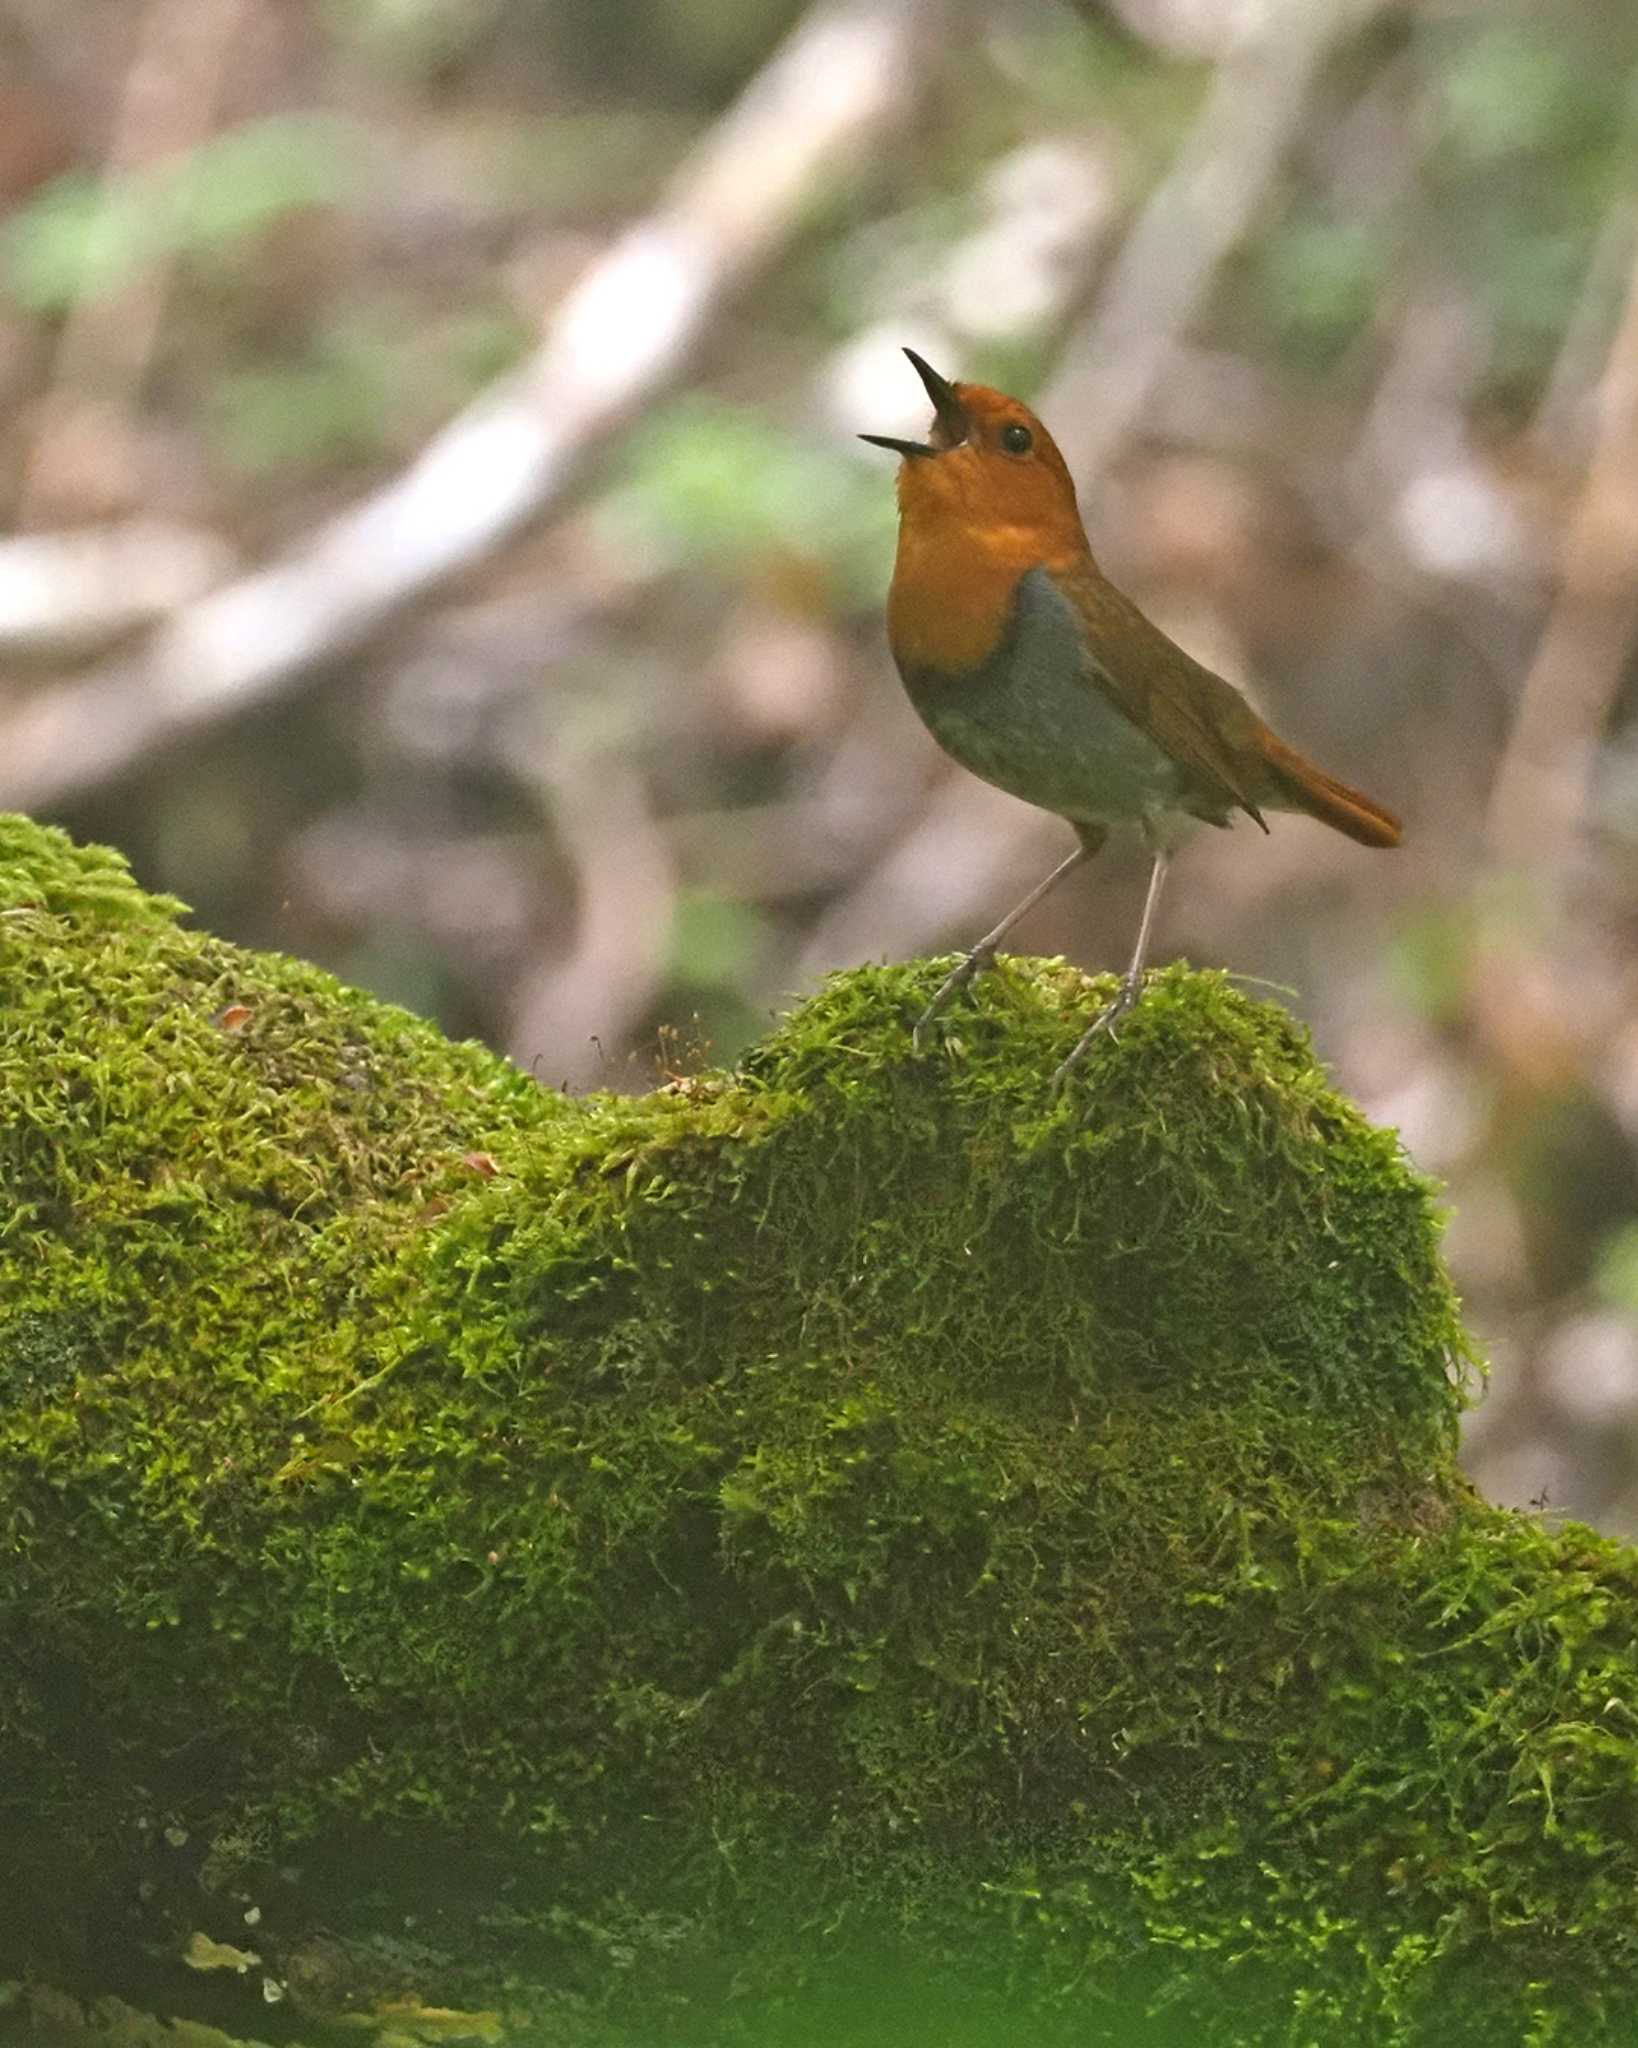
(1033, 723)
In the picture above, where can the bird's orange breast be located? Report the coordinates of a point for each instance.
(952, 593)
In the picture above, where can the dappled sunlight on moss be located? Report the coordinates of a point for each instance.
(851, 1514)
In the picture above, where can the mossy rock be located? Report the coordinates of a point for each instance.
(850, 1549)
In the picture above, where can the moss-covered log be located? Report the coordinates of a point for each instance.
(846, 1549)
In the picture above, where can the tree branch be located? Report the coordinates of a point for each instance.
(623, 333)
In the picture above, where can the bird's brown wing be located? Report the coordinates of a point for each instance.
(1206, 726)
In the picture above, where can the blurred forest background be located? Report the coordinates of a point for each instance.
(437, 546)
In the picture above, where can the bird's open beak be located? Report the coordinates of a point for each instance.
(950, 414)
(952, 421)
(898, 447)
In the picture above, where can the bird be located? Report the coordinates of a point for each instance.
(1032, 670)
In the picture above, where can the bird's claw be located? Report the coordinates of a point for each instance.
(1103, 1023)
(967, 969)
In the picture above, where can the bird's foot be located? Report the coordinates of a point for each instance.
(965, 970)
(1103, 1023)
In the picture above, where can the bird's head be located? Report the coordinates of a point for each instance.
(987, 464)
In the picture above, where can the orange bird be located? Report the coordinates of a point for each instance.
(1029, 666)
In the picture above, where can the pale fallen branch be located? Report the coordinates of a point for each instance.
(64, 596)
(622, 334)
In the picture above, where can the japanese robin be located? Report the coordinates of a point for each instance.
(1030, 668)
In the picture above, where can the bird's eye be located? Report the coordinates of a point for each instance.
(1017, 440)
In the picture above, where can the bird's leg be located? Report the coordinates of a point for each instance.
(1132, 984)
(983, 954)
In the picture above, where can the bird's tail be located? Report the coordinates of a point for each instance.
(1310, 789)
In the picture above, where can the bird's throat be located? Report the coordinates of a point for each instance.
(950, 602)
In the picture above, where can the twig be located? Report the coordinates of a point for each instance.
(1540, 791)
(621, 336)
(614, 967)
(108, 339)
(1192, 222)
(1565, 419)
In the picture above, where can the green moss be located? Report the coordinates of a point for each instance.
(843, 1531)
